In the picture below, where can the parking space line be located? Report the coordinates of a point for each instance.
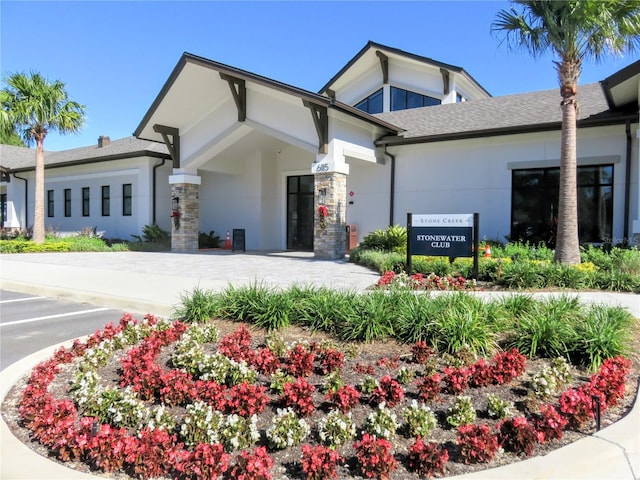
(49, 317)
(20, 299)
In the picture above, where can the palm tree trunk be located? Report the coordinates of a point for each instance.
(567, 242)
(38, 215)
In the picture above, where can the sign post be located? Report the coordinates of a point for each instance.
(443, 235)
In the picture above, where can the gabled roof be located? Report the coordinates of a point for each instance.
(509, 114)
(144, 129)
(18, 159)
(621, 88)
(395, 51)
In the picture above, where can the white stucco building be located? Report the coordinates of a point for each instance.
(391, 133)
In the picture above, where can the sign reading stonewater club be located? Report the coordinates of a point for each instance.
(443, 235)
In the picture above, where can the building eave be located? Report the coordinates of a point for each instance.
(496, 132)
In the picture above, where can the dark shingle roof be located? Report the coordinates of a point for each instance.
(506, 112)
(22, 158)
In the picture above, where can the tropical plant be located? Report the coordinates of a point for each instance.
(572, 31)
(35, 106)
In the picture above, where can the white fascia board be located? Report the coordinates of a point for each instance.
(185, 178)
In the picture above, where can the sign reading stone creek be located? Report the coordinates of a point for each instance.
(443, 235)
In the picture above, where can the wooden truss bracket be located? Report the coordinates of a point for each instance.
(384, 64)
(239, 91)
(321, 122)
(445, 80)
(171, 137)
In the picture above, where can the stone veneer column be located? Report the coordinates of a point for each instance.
(184, 238)
(330, 242)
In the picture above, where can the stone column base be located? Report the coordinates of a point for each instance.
(329, 242)
(185, 227)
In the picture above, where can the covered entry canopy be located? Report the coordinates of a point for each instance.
(237, 139)
(206, 107)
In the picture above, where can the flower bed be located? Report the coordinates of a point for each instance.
(158, 399)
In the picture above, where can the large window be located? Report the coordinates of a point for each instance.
(86, 199)
(126, 199)
(534, 204)
(50, 204)
(106, 201)
(403, 99)
(67, 202)
(371, 104)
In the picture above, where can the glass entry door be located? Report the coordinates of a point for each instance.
(300, 191)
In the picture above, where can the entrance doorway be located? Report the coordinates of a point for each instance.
(300, 191)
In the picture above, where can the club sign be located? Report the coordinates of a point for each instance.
(442, 235)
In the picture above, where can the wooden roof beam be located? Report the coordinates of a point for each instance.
(321, 122)
(239, 91)
(171, 137)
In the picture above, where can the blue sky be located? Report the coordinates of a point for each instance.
(114, 56)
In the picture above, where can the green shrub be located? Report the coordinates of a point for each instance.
(208, 240)
(604, 332)
(371, 318)
(153, 234)
(391, 239)
(462, 321)
(523, 274)
(199, 305)
(548, 329)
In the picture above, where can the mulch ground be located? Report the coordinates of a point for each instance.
(287, 464)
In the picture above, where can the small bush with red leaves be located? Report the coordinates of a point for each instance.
(299, 361)
(374, 457)
(331, 360)
(389, 391)
(299, 396)
(344, 398)
(265, 362)
(508, 366)
(429, 388)
(517, 435)
(427, 458)
(481, 374)
(252, 466)
(205, 461)
(478, 444)
(549, 424)
(456, 379)
(576, 406)
(611, 378)
(421, 353)
(319, 462)
(151, 453)
(237, 345)
(247, 399)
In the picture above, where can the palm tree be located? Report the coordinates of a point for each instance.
(35, 106)
(571, 31)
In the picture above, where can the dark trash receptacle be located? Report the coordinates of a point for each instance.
(352, 237)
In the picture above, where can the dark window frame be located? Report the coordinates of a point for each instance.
(106, 200)
(67, 202)
(127, 199)
(366, 103)
(51, 212)
(546, 190)
(86, 202)
(424, 100)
